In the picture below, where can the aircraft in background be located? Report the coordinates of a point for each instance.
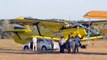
(102, 15)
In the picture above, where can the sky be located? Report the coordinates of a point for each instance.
(48, 9)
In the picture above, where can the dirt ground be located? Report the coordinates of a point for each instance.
(96, 50)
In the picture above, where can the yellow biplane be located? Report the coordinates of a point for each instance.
(25, 28)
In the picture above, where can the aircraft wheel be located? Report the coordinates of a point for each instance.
(44, 48)
(26, 48)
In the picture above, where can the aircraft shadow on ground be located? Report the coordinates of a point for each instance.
(92, 53)
(48, 52)
(7, 49)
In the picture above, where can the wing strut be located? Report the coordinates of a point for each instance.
(89, 32)
(18, 35)
(37, 27)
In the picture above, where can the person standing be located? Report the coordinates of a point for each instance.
(72, 43)
(77, 43)
(52, 44)
(34, 40)
(61, 44)
(68, 44)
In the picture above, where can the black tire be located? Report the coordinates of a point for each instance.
(83, 46)
(26, 48)
(44, 48)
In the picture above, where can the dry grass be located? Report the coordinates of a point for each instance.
(9, 50)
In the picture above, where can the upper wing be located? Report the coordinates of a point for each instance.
(96, 14)
(42, 23)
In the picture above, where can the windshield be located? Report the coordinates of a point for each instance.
(47, 40)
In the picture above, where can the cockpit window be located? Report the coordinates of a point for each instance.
(17, 26)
